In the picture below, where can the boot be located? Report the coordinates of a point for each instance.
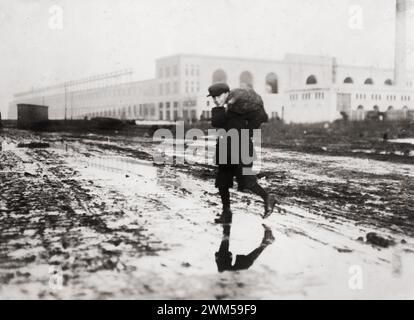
(268, 237)
(269, 205)
(225, 217)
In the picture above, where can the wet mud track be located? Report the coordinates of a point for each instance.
(92, 217)
(53, 222)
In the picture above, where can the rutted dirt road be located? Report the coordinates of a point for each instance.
(92, 217)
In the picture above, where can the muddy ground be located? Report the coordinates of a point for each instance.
(92, 217)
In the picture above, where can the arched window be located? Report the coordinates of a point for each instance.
(369, 81)
(246, 79)
(388, 82)
(311, 80)
(376, 108)
(360, 107)
(348, 80)
(390, 108)
(219, 76)
(272, 83)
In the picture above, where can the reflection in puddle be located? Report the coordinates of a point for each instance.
(6, 146)
(121, 165)
(163, 175)
(224, 257)
(111, 164)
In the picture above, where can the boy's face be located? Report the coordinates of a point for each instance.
(221, 99)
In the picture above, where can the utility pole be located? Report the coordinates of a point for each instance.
(65, 100)
(404, 10)
(71, 105)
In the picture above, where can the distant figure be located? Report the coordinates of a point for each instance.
(239, 109)
(385, 137)
(224, 257)
(345, 116)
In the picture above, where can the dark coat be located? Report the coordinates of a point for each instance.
(246, 113)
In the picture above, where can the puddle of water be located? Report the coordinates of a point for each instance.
(8, 146)
(405, 140)
(107, 167)
(121, 165)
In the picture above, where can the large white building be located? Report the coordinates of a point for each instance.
(298, 88)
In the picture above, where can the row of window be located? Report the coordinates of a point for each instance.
(246, 80)
(376, 108)
(168, 88)
(173, 115)
(172, 88)
(307, 96)
(142, 110)
(146, 110)
(389, 97)
(294, 97)
(319, 95)
(167, 105)
(174, 104)
(168, 71)
(368, 81)
(191, 87)
(173, 71)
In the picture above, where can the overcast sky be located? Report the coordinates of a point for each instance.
(99, 36)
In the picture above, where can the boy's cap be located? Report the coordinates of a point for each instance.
(217, 89)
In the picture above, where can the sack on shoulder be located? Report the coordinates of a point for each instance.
(244, 100)
(250, 104)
